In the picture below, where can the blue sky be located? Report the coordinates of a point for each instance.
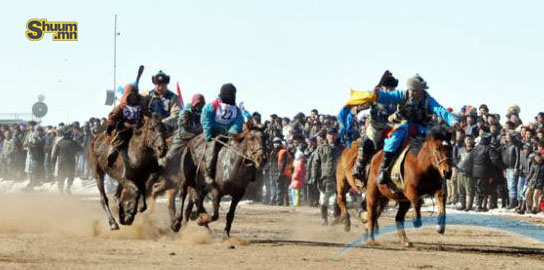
(283, 56)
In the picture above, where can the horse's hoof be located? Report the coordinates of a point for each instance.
(417, 222)
(114, 227)
(408, 244)
(176, 226)
(373, 243)
(193, 216)
(203, 219)
(142, 208)
(226, 235)
(440, 229)
(347, 225)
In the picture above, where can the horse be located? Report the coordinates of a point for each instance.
(146, 145)
(423, 174)
(345, 181)
(237, 163)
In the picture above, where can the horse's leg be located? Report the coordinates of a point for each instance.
(230, 214)
(399, 220)
(104, 199)
(204, 218)
(439, 196)
(143, 205)
(371, 214)
(188, 209)
(413, 197)
(171, 206)
(177, 221)
(342, 189)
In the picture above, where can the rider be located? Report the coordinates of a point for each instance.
(124, 118)
(189, 126)
(221, 117)
(161, 102)
(375, 128)
(415, 107)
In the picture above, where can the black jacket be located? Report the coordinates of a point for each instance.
(510, 156)
(482, 156)
(535, 177)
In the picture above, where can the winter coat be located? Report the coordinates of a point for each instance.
(535, 178)
(64, 152)
(464, 160)
(325, 165)
(525, 161)
(481, 160)
(299, 173)
(221, 118)
(510, 156)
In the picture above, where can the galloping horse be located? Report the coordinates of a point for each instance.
(423, 174)
(345, 181)
(146, 145)
(236, 166)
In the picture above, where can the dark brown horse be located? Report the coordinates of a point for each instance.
(423, 175)
(146, 145)
(236, 166)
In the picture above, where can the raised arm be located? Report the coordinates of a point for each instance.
(437, 109)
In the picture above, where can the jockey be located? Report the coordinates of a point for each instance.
(415, 107)
(375, 128)
(161, 102)
(221, 117)
(124, 118)
(188, 126)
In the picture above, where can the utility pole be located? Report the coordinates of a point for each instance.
(115, 34)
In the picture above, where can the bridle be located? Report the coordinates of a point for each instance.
(249, 152)
(436, 160)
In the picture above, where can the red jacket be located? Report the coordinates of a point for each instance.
(299, 173)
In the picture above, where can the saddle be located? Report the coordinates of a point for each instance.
(413, 146)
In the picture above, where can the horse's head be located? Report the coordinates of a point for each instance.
(128, 196)
(253, 137)
(155, 136)
(439, 143)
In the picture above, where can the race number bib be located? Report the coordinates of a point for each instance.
(225, 113)
(132, 113)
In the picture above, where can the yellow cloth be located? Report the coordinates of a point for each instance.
(360, 98)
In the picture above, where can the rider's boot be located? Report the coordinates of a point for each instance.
(385, 168)
(211, 160)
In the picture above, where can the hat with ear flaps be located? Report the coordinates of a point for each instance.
(416, 82)
(160, 77)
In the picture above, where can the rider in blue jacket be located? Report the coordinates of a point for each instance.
(220, 117)
(415, 107)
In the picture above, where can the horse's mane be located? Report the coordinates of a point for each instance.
(248, 127)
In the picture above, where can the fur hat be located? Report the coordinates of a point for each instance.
(161, 77)
(417, 82)
(513, 109)
(390, 82)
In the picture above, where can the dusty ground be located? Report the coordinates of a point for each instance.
(54, 232)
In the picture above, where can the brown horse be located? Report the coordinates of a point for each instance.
(423, 174)
(236, 167)
(345, 181)
(146, 145)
